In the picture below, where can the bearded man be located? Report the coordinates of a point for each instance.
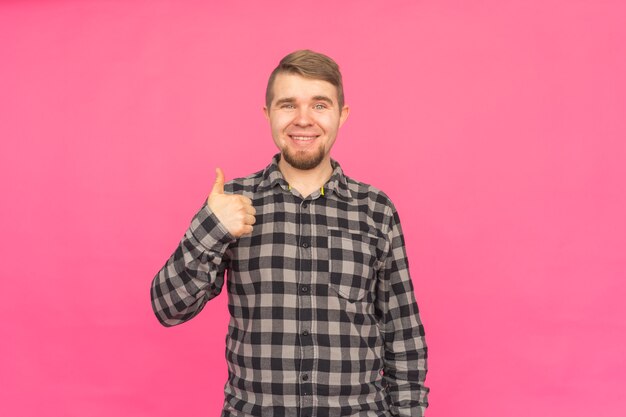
(323, 318)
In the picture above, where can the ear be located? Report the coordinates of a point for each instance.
(345, 111)
(266, 112)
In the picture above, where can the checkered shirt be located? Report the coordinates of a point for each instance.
(323, 319)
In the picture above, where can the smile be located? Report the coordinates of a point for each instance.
(303, 138)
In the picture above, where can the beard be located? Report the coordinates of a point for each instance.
(302, 160)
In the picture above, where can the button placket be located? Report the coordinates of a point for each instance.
(305, 315)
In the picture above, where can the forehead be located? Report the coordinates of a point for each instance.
(302, 88)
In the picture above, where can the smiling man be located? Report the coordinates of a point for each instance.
(323, 316)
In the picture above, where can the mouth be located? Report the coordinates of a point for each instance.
(303, 138)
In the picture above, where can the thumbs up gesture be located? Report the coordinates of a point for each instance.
(235, 212)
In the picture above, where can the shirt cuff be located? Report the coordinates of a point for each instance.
(209, 232)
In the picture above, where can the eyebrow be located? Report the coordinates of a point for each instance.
(286, 100)
(323, 98)
(289, 100)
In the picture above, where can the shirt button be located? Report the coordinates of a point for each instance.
(305, 206)
(305, 377)
(305, 244)
(305, 333)
(304, 288)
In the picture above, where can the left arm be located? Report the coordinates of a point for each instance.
(403, 333)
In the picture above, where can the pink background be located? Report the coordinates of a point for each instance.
(497, 127)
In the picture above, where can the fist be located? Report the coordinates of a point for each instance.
(235, 212)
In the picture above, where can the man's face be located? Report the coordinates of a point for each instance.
(304, 117)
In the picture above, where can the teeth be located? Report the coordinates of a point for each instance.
(303, 137)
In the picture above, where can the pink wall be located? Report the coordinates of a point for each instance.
(497, 127)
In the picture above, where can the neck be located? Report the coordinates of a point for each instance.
(309, 180)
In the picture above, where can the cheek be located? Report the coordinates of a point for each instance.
(279, 124)
(278, 133)
(329, 123)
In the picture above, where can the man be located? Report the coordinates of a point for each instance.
(323, 317)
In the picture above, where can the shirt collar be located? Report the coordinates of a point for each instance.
(338, 182)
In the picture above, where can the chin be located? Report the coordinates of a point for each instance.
(303, 161)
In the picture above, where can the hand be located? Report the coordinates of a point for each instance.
(235, 212)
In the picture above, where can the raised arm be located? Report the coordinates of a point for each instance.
(194, 273)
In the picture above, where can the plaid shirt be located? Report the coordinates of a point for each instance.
(323, 317)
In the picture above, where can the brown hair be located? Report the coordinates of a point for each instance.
(309, 64)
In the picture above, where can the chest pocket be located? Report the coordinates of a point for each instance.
(353, 263)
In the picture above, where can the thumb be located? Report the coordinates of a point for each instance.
(218, 187)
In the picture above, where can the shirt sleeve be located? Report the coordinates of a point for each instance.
(194, 273)
(403, 333)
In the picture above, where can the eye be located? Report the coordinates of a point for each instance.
(319, 106)
(287, 106)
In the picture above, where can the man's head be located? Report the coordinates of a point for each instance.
(305, 108)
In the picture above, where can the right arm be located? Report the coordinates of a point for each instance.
(194, 273)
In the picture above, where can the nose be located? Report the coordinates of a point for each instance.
(302, 118)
